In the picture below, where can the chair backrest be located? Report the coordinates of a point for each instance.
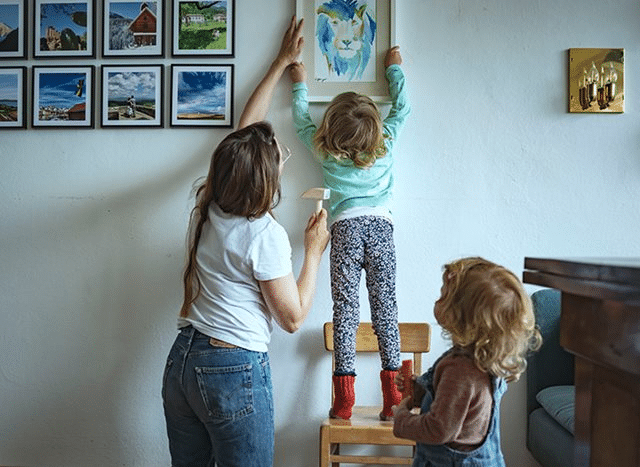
(415, 338)
(551, 365)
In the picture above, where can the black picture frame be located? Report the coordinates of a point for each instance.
(63, 96)
(133, 28)
(13, 97)
(202, 29)
(202, 95)
(132, 96)
(13, 29)
(64, 29)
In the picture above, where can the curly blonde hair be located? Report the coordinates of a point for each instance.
(486, 313)
(351, 129)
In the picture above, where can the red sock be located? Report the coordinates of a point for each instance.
(390, 394)
(344, 396)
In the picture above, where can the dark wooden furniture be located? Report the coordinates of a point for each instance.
(600, 326)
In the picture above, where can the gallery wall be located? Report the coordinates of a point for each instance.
(490, 163)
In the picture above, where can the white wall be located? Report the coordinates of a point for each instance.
(490, 163)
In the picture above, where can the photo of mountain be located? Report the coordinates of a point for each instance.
(10, 27)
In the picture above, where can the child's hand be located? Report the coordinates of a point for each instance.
(297, 72)
(292, 43)
(404, 404)
(400, 382)
(393, 57)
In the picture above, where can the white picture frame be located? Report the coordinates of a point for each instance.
(323, 87)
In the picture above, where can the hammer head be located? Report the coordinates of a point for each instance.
(319, 194)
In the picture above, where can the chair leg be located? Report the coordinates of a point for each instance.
(335, 449)
(325, 447)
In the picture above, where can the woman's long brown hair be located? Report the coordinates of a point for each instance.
(243, 180)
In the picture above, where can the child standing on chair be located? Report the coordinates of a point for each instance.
(488, 316)
(354, 145)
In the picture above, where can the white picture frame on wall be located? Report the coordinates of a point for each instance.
(333, 65)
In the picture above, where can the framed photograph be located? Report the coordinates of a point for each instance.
(13, 29)
(203, 28)
(63, 97)
(63, 28)
(13, 97)
(133, 29)
(202, 95)
(132, 96)
(346, 42)
(596, 80)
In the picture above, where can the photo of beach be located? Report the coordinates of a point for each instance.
(11, 97)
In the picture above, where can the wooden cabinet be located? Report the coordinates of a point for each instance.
(600, 325)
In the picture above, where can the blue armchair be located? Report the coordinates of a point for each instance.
(550, 388)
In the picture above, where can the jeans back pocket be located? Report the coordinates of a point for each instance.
(227, 391)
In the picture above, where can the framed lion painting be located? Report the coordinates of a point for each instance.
(347, 42)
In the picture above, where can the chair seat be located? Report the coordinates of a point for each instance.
(370, 429)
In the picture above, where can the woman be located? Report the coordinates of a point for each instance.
(217, 388)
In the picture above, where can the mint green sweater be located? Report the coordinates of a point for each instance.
(352, 186)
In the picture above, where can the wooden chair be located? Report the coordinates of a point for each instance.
(365, 426)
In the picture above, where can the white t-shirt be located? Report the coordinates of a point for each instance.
(235, 253)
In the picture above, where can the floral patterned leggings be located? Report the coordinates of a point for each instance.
(364, 242)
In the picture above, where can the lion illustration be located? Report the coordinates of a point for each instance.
(345, 33)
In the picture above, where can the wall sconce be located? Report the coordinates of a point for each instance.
(596, 88)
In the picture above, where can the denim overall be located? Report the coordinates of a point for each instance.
(488, 454)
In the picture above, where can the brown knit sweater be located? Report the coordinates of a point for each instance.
(461, 409)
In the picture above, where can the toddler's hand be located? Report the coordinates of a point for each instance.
(400, 382)
(297, 72)
(404, 403)
(393, 57)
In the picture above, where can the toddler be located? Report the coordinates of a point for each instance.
(353, 144)
(488, 316)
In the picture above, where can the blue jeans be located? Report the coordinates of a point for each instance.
(218, 404)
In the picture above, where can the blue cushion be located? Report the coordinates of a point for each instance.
(559, 402)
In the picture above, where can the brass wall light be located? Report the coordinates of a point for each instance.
(596, 88)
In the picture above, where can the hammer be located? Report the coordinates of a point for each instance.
(319, 194)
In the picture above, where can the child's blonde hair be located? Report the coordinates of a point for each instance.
(351, 129)
(486, 312)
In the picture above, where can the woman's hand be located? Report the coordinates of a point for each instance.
(316, 235)
(292, 44)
